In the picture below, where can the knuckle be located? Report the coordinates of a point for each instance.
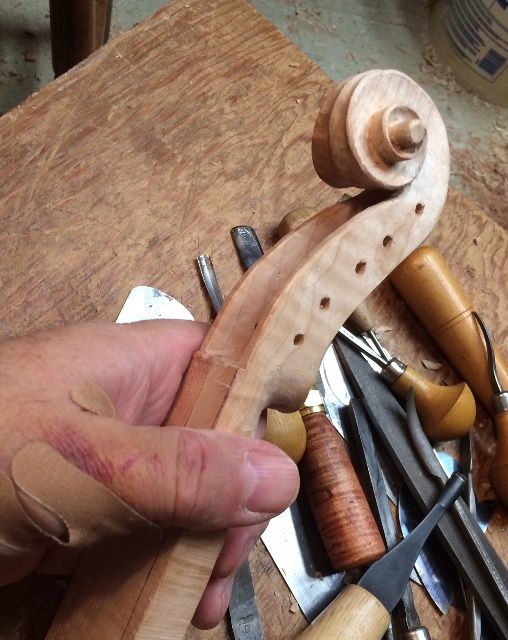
(192, 460)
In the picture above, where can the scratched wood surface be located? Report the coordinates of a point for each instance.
(123, 170)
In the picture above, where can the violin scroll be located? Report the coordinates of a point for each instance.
(372, 131)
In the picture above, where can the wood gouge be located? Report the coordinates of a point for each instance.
(433, 292)
(499, 410)
(362, 611)
(334, 491)
(447, 412)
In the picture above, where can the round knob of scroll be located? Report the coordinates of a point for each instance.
(371, 131)
(396, 134)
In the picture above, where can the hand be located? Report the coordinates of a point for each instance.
(171, 476)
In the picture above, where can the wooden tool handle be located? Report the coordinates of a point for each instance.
(446, 412)
(347, 526)
(435, 295)
(286, 431)
(354, 615)
(499, 469)
(361, 319)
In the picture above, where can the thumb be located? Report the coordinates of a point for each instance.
(191, 478)
(196, 478)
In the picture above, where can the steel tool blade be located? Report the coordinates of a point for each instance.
(245, 624)
(295, 546)
(436, 573)
(148, 303)
(387, 578)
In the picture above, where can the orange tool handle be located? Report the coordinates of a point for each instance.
(446, 413)
(341, 511)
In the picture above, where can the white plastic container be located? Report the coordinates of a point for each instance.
(471, 36)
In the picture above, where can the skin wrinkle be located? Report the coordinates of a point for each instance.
(81, 452)
(191, 464)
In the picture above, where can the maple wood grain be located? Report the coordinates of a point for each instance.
(124, 169)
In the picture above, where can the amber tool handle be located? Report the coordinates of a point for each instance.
(436, 296)
(341, 511)
(447, 412)
(499, 406)
(499, 468)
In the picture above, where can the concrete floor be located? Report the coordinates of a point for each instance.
(343, 38)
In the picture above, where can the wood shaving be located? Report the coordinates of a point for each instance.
(432, 365)
(383, 329)
(438, 73)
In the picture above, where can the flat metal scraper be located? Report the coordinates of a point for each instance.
(294, 543)
(148, 303)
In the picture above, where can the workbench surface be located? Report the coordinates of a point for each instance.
(125, 169)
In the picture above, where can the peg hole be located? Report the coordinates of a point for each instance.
(361, 266)
(419, 208)
(298, 339)
(325, 303)
(387, 241)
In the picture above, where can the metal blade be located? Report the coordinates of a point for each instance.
(434, 569)
(148, 303)
(387, 578)
(247, 245)
(245, 622)
(210, 281)
(296, 548)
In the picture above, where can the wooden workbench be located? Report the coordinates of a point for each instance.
(122, 171)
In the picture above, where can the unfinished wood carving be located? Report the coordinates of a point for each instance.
(380, 131)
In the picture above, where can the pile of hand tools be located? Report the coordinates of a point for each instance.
(348, 476)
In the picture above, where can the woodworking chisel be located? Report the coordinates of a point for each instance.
(447, 412)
